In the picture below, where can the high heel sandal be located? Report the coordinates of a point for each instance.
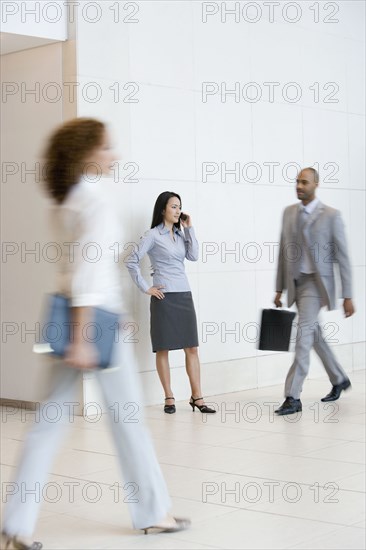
(169, 409)
(13, 543)
(180, 525)
(201, 408)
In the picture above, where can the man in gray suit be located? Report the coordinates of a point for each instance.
(312, 241)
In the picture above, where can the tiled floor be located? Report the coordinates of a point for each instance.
(246, 478)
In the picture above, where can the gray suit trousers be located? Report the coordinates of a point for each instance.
(135, 453)
(309, 302)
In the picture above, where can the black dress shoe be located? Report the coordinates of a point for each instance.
(336, 391)
(289, 406)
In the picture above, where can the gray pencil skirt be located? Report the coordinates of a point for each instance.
(173, 323)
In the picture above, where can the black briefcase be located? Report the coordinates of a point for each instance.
(276, 327)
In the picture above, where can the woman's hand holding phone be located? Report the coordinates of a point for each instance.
(185, 220)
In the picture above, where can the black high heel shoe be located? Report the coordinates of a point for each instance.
(201, 408)
(169, 409)
(13, 543)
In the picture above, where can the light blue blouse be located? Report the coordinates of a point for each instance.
(166, 256)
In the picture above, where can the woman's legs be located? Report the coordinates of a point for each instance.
(194, 372)
(162, 366)
(150, 503)
(193, 369)
(121, 390)
(41, 444)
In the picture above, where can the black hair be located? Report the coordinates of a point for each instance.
(160, 206)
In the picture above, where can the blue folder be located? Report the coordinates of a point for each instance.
(102, 331)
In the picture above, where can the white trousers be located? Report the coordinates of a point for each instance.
(119, 385)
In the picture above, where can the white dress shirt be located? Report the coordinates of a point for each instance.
(87, 230)
(306, 265)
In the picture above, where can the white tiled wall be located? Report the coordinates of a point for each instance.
(170, 132)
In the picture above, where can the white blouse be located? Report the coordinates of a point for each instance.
(87, 230)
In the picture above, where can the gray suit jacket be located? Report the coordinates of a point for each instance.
(327, 244)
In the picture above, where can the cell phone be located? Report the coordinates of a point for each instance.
(183, 217)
